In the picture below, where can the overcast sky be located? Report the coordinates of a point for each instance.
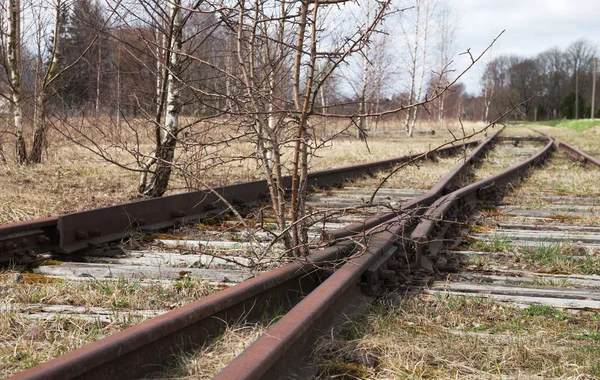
(532, 26)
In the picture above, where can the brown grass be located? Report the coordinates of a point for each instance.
(212, 358)
(73, 179)
(25, 343)
(418, 175)
(118, 294)
(478, 338)
(460, 337)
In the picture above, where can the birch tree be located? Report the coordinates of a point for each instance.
(361, 130)
(13, 53)
(48, 76)
(580, 53)
(446, 30)
(167, 141)
(418, 58)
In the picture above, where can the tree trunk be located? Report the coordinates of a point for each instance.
(441, 111)
(166, 152)
(39, 133)
(39, 120)
(98, 67)
(413, 70)
(487, 100)
(324, 110)
(14, 62)
(420, 87)
(361, 131)
(576, 94)
(118, 121)
(297, 211)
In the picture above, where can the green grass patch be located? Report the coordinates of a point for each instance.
(542, 310)
(576, 125)
(561, 258)
(496, 243)
(587, 336)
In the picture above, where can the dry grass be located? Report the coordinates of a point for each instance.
(25, 343)
(73, 179)
(477, 338)
(586, 140)
(560, 176)
(551, 257)
(419, 175)
(118, 294)
(212, 358)
(502, 157)
(461, 337)
(70, 180)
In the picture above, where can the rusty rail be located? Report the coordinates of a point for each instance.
(150, 344)
(446, 185)
(281, 352)
(439, 222)
(22, 241)
(578, 154)
(573, 152)
(98, 232)
(145, 348)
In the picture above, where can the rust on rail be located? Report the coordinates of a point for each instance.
(22, 241)
(444, 186)
(280, 351)
(145, 348)
(578, 154)
(284, 350)
(438, 223)
(98, 232)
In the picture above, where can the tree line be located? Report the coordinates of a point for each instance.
(558, 82)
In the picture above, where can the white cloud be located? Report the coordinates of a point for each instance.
(532, 26)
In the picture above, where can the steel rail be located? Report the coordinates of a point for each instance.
(145, 348)
(443, 186)
(574, 152)
(98, 232)
(578, 154)
(439, 222)
(282, 351)
(22, 241)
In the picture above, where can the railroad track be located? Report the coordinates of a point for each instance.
(413, 239)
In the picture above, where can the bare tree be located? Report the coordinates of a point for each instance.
(47, 77)
(446, 30)
(553, 73)
(13, 53)
(417, 48)
(580, 53)
(165, 145)
(254, 71)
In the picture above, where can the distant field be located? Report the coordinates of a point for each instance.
(73, 179)
(576, 125)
